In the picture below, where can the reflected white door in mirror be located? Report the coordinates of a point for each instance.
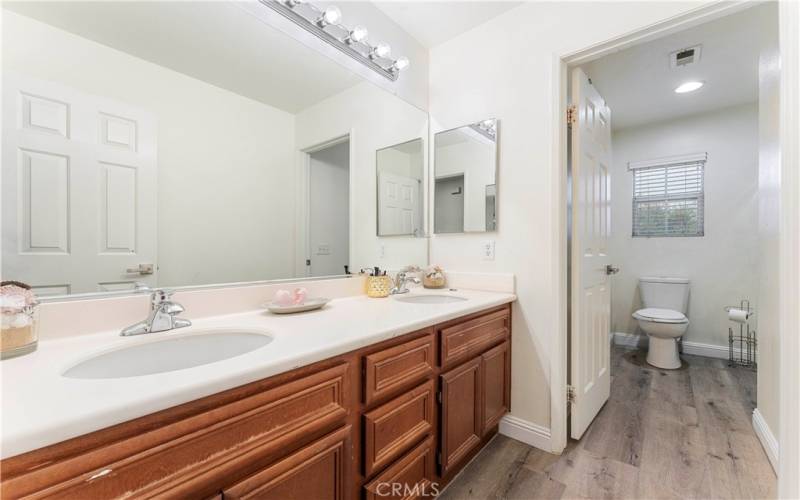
(79, 189)
(400, 170)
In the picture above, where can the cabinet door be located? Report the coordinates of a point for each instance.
(495, 385)
(317, 471)
(461, 412)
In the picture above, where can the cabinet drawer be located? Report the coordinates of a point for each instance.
(189, 457)
(470, 338)
(393, 428)
(408, 478)
(317, 471)
(390, 371)
(495, 385)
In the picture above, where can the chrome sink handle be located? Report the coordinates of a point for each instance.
(161, 317)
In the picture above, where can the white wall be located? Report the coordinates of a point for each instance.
(375, 120)
(224, 160)
(722, 265)
(507, 69)
(329, 210)
(769, 186)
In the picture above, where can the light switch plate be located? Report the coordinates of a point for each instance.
(487, 250)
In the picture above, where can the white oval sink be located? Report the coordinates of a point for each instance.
(430, 299)
(168, 355)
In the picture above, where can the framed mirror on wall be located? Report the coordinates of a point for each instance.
(130, 163)
(400, 189)
(465, 179)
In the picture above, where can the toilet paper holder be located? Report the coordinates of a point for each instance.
(742, 345)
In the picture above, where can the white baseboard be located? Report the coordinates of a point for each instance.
(527, 432)
(692, 348)
(767, 438)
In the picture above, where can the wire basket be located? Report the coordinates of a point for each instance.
(742, 345)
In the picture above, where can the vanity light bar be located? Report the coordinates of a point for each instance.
(326, 25)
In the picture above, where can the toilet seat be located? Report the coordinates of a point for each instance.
(657, 315)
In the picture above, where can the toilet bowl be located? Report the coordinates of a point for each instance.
(664, 327)
(663, 318)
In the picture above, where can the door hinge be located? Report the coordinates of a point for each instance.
(439, 458)
(439, 397)
(572, 114)
(308, 262)
(570, 394)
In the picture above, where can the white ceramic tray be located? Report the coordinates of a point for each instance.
(308, 305)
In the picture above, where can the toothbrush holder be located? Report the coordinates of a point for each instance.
(378, 286)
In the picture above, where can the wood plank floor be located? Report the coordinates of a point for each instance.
(669, 434)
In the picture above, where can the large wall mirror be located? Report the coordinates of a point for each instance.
(465, 179)
(188, 143)
(401, 170)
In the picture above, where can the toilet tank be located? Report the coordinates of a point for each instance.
(665, 293)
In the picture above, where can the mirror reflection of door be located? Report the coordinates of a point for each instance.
(400, 169)
(449, 209)
(329, 210)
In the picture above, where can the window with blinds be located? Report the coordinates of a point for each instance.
(668, 197)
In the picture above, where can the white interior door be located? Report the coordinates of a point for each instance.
(398, 204)
(590, 351)
(329, 210)
(79, 189)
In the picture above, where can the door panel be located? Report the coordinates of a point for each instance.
(591, 300)
(495, 385)
(461, 413)
(399, 201)
(78, 188)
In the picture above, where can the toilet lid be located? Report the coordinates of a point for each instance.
(661, 315)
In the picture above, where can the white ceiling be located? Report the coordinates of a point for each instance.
(638, 83)
(434, 22)
(216, 42)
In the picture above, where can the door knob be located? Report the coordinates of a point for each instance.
(611, 269)
(141, 269)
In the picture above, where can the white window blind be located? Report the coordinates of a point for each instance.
(668, 196)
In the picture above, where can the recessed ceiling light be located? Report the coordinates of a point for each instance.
(688, 87)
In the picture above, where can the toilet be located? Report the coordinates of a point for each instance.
(663, 318)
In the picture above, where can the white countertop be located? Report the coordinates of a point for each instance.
(41, 407)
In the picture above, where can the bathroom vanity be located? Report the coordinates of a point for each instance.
(408, 412)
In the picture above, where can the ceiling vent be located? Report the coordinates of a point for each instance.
(685, 57)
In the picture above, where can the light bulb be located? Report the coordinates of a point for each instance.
(382, 50)
(331, 15)
(688, 87)
(358, 34)
(401, 63)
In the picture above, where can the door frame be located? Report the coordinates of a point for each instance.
(302, 216)
(789, 14)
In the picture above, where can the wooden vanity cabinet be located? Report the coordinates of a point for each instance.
(372, 423)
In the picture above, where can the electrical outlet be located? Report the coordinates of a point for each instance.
(487, 250)
(382, 251)
(323, 249)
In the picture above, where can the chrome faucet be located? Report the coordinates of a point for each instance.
(401, 279)
(161, 317)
